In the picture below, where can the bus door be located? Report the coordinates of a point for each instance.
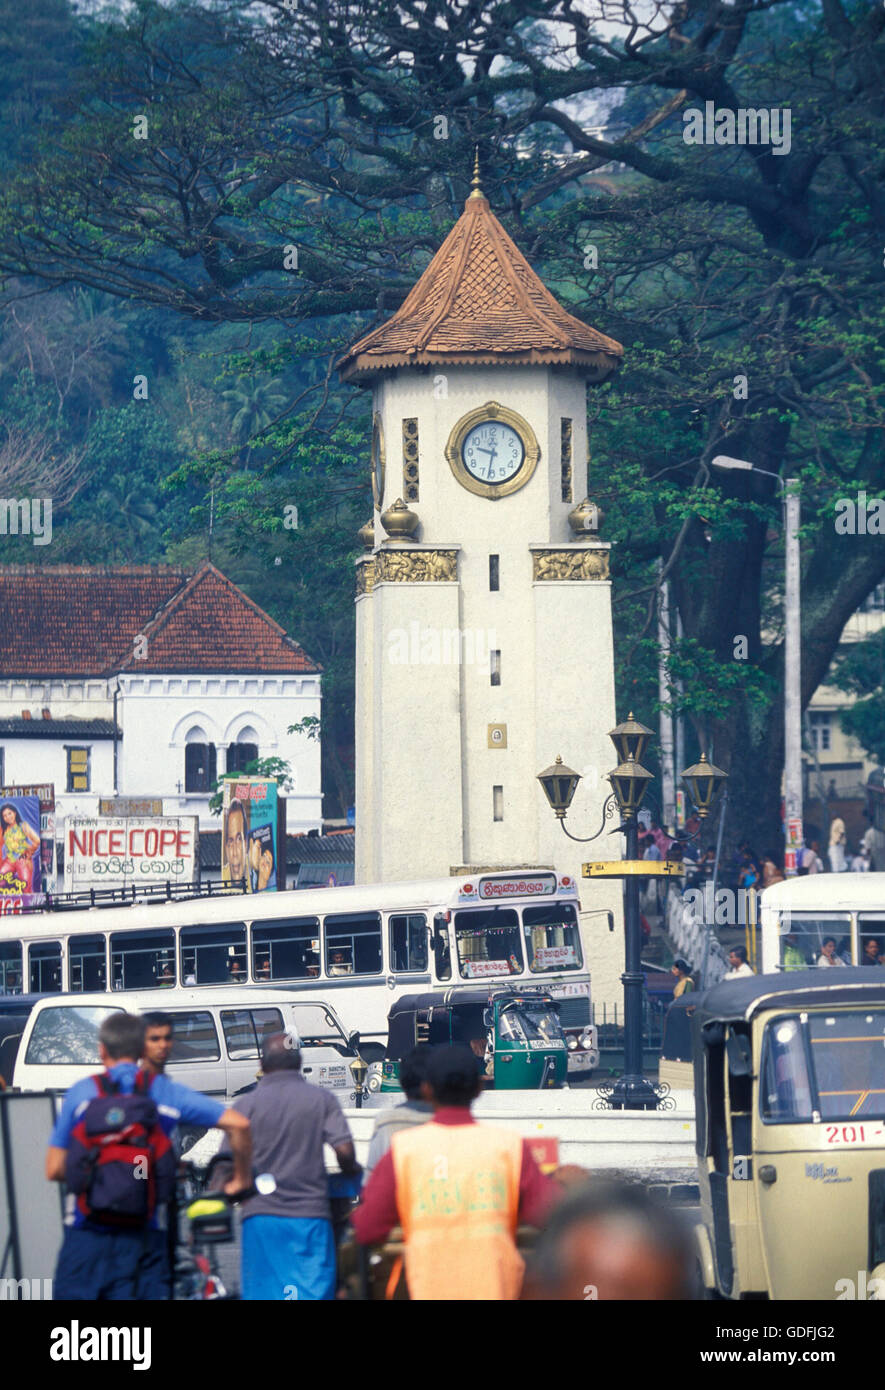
(44, 967)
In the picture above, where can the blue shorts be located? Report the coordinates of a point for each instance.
(111, 1265)
(288, 1258)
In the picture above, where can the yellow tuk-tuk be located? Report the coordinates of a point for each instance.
(790, 1108)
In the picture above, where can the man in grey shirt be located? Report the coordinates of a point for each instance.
(288, 1244)
(416, 1109)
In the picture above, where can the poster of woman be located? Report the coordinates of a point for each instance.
(20, 870)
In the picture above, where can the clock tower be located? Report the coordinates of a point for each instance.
(484, 634)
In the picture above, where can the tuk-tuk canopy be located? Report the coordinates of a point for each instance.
(733, 1000)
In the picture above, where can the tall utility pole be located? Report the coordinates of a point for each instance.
(792, 679)
(792, 655)
(668, 767)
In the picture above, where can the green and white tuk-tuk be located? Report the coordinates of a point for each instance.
(515, 1033)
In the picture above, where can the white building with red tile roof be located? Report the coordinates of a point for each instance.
(147, 681)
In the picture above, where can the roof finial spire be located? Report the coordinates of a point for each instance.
(475, 190)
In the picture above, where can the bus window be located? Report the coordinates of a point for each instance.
(86, 963)
(488, 942)
(10, 967)
(214, 955)
(143, 959)
(552, 938)
(408, 941)
(801, 938)
(871, 930)
(44, 958)
(287, 950)
(442, 947)
(194, 1038)
(246, 1029)
(353, 943)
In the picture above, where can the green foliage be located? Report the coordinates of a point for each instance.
(273, 769)
(860, 671)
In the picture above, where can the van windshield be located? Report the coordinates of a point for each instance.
(826, 1064)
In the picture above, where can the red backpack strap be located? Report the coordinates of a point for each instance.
(104, 1083)
(144, 1080)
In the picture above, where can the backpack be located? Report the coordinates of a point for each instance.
(120, 1162)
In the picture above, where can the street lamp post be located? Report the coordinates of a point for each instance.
(629, 782)
(792, 654)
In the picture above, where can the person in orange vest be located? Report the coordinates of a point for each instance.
(459, 1190)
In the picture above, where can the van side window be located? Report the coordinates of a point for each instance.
(86, 963)
(194, 1038)
(353, 943)
(143, 959)
(44, 959)
(10, 967)
(214, 955)
(246, 1029)
(408, 941)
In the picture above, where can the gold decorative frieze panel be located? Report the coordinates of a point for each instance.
(365, 576)
(407, 567)
(570, 564)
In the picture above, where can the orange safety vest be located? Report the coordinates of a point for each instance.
(457, 1193)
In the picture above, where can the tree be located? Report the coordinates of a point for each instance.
(860, 671)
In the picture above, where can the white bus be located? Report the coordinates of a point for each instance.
(362, 945)
(848, 907)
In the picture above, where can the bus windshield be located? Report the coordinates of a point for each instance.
(827, 1064)
(552, 938)
(488, 942)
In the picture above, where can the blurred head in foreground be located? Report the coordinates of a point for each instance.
(610, 1240)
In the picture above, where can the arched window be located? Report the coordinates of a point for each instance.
(199, 762)
(244, 751)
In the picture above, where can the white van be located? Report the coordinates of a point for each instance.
(216, 1038)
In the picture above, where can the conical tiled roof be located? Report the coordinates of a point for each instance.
(479, 302)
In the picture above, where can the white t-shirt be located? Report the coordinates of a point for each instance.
(742, 969)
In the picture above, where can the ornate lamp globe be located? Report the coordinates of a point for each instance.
(703, 782)
(629, 782)
(630, 739)
(559, 783)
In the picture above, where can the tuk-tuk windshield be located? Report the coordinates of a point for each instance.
(826, 1064)
(524, 1023)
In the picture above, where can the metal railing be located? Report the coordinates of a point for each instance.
(131, 893)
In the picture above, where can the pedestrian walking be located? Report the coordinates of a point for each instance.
(684, 983)
(288, 1242)
(459, 1190)
(860, 862)
(111, 1145)
(771, 872)
(416, 1109)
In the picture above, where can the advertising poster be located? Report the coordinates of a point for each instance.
(113, 851)
(45, 794)
(249, 833)
(21, 869)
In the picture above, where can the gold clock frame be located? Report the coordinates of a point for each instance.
(378, 443)
(492, 410)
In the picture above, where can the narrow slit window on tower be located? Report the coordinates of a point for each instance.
(410, 460)
(495, 667)
(494, 573)
(565, 432)
(497, 803)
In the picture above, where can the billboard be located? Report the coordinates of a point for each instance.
(46, 797)
(113, 851)
(20, 867)
(249, 833)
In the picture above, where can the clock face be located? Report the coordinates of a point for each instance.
(493, 452)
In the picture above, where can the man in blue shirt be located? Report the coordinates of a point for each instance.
(98, 1262)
